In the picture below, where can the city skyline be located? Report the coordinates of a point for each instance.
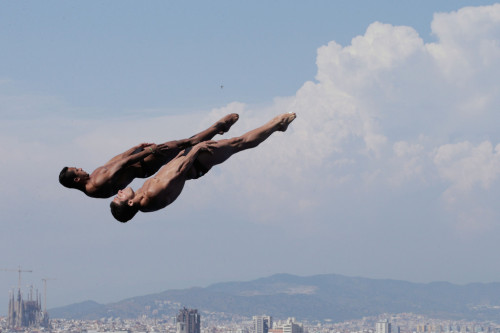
(410, 323)
(390, 171)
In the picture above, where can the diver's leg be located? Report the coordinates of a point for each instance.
(220, 127)
(168, 150)
(223, 149)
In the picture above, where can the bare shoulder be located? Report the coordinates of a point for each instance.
(99, 171)
(100, 175)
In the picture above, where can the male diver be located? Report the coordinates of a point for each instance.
(166, 185)
(140, 161)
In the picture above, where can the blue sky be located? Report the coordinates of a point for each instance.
(390, 170)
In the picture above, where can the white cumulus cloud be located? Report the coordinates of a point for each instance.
(386, 113)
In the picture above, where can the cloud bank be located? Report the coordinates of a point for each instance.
(395, 155)
(385, 113)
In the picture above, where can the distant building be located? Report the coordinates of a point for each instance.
(262, 324)
(188, 321)
(26, 313)
(275, 330)
(423, 328)
(290, 326)
(383, 326)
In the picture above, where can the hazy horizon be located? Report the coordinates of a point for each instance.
(316, 297)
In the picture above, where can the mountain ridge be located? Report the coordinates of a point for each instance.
(317, 297)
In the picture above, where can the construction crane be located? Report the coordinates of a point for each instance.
(19, 270)
(45, 293)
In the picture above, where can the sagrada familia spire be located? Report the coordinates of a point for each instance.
(26, 313)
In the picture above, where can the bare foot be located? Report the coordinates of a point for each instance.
(226, 122)
(284, 120)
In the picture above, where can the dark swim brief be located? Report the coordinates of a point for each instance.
(199, 169)
(144, 166)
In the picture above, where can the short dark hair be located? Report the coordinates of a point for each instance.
(122, 211)
(67, 178)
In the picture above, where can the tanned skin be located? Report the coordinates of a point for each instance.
(121, 170)
(162, 189)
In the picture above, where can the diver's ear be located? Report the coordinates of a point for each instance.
(130, 202)
(76, 179)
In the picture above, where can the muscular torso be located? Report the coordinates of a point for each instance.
(105, 183)
(162, 189)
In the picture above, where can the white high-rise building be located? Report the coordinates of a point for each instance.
(292, 326)
(383, 326)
